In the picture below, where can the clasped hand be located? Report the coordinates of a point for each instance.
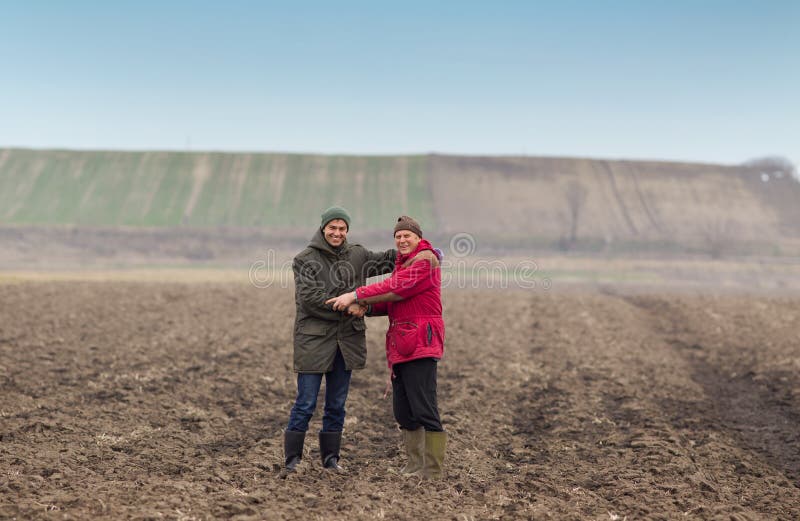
(357, 310)
(347, 301)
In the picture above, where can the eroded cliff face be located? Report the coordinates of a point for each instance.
(613, 201)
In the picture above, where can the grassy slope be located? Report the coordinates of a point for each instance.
(205, 189)
(510, 200)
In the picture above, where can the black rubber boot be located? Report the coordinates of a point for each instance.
(293, 448)
(329, 444)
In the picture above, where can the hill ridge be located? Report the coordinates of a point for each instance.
(511, 199)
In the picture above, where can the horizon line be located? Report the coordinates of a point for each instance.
(389, 154)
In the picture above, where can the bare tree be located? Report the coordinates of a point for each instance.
(575, 196)
(720, 234)
(775, 166)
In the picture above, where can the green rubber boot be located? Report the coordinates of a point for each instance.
(414, 442)
(435, 443)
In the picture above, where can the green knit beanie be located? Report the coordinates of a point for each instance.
(335, 212)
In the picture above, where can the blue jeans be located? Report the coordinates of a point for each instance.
(337, 384)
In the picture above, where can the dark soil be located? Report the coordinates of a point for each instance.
(146, 401)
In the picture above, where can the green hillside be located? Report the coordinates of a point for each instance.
(205, 189)
(504, 202)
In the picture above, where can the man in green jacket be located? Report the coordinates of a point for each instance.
(326, 342)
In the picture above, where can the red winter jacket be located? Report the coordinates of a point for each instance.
(416, 328)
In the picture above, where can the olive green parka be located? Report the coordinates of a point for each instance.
(322, 272)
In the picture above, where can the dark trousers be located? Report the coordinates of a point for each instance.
(337, 384)
(414, 395)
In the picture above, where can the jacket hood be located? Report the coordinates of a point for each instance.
(318, 242)
(423, 245)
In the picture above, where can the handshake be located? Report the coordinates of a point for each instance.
(347, 302)
(357, 310)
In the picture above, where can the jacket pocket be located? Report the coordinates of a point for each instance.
(313, 329)
(434, 333)
(359, 325)
(404, 337)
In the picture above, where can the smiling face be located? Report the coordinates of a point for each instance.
(406, 241)
(335, 232)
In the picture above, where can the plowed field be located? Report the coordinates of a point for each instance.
(151, 401)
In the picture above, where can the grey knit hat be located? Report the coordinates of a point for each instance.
(405, 222)
(335, 212)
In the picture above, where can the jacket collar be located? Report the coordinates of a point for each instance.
(318, 242)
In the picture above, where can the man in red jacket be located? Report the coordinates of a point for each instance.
(411, 297)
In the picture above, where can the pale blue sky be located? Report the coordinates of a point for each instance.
(685, 80)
